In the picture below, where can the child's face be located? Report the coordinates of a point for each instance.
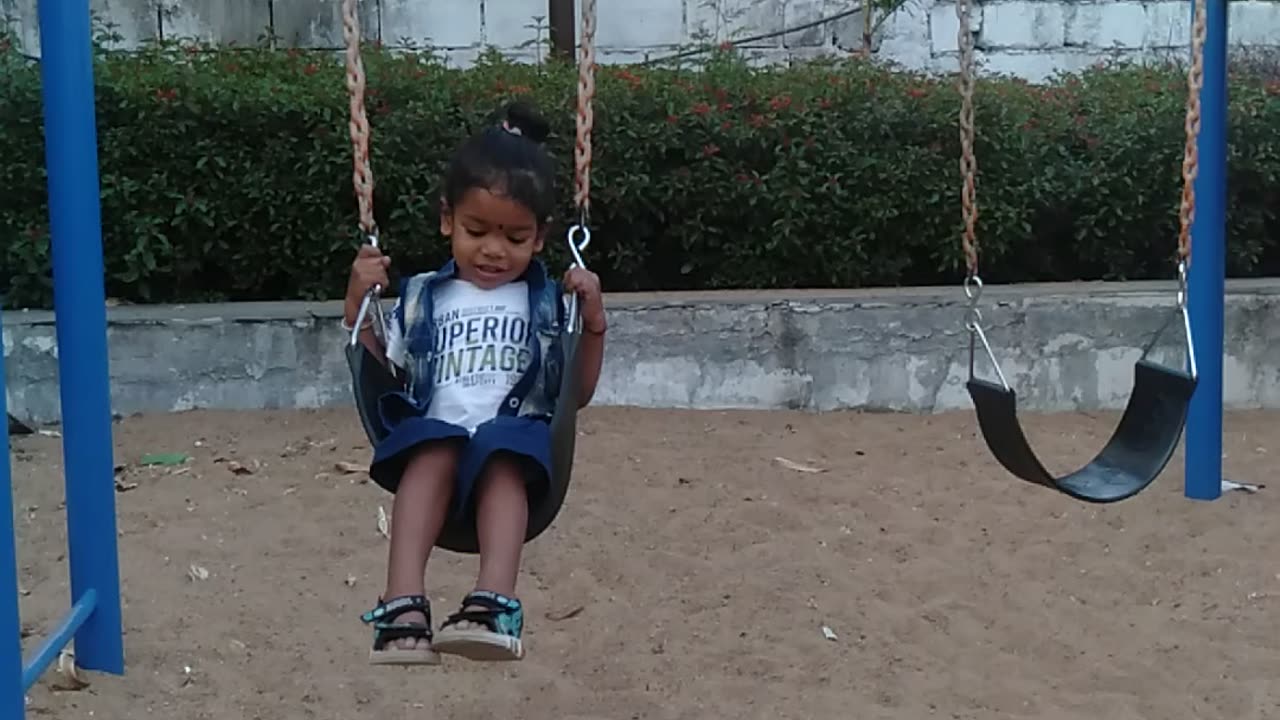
(493, 237)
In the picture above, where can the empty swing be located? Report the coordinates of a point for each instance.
(371, 377)
(1152, 423)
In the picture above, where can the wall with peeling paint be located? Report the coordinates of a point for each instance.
(1064, 347)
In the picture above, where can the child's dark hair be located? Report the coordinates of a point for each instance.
(508, 158)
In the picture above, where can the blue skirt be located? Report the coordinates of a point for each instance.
(525, 437)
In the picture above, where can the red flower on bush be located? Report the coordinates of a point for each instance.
(782, 102)
(631, 78)
(710, 150)
(917, 92)
(166, 94)
(756, 120)
(701, 109)
(310, 69)
(672, 119)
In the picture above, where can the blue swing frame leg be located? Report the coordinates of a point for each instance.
(71, 158)
(71, 153)
(1207, 280)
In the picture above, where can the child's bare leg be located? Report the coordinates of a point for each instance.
(417, 516)
(490, 625)
(502, 515)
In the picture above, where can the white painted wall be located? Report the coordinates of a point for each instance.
(1028, 38)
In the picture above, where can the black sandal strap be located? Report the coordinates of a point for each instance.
(494, 605)
(387, 630)
(386, 612)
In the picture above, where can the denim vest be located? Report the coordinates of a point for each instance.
(535, 394)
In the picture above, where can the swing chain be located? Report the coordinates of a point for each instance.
(968, 162)
(579, 236)
(968, 169)
(968, 195)
(1191, 152)
(586, 111)
(1190, 168)
(362, 175)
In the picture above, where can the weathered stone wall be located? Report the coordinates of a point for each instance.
(1063, 348)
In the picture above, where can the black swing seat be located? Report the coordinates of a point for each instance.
(370, 380)
(1142, 445)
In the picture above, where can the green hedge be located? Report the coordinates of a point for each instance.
(226, 174)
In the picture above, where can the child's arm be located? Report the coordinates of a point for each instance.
(586, 285)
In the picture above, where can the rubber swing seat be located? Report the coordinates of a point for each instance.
(1143, 442)
(370, 379)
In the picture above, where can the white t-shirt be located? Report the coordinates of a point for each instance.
(481, 349)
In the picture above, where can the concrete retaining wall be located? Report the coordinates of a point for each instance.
(1063, 346)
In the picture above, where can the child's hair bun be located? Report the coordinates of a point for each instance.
(521, 116)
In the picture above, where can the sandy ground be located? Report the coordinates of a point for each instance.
(705, 572)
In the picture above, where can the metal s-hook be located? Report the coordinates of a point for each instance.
(576, 246)
(372, 298)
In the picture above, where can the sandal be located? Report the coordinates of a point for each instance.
(499, 639)
(386, 631)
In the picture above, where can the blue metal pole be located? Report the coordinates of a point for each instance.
(71, 160)
(12, 697)
(1207, 281)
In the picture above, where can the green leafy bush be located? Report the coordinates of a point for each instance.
(226, 174)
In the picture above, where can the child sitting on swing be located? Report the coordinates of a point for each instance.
(470, 433)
